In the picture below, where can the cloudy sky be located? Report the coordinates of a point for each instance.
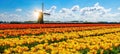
(61, 10)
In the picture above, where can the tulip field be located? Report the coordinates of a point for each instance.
(59, 38)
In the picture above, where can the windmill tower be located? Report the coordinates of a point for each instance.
(40, 17)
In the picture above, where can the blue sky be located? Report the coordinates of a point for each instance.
(9, 5)
(23, 8)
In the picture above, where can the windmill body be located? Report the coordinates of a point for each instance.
(40, 18)
(41, 15)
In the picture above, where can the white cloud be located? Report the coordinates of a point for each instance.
(119, 8)
(53, 7)
(96, 9)
(18, 10)
(65, 10)
(75, 8)
(51, 10)
(93, 14)
(7, 16)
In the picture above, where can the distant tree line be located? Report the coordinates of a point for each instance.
(32, 22)
(16, 22)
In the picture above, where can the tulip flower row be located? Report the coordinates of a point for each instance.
(85, 41)
(26, 26)
(21, 32)
(92, 45)
(55, 36)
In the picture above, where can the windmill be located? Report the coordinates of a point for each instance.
(41, 15)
